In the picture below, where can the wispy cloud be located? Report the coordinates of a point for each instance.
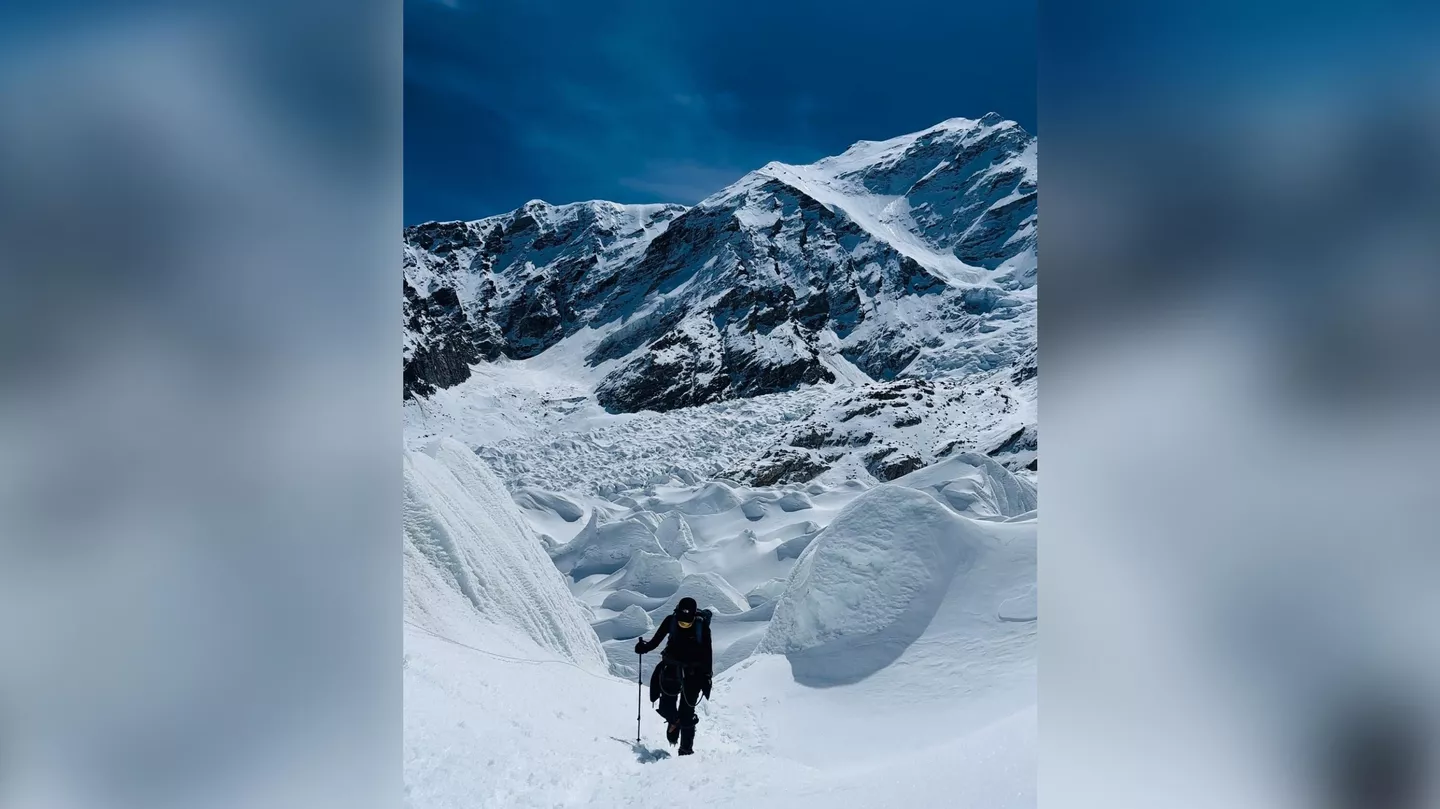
(684, 181)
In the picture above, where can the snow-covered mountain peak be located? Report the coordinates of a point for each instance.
(915, 251)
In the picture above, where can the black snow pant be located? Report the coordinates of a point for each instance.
(678, 688)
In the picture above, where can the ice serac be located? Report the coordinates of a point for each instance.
(765, 593)
(674, 535)
(710, 591)
(910, 256)
(868, 585)
(976, 484)
(651, 574)
(886, 430)
(631, 623)
(471, 559)
(605, 547)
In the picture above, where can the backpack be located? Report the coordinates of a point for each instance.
(702, 625)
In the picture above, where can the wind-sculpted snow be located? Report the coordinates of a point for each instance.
(620, 600)
(868, 585)
(794, 529)
(973, 483)
(605, 548)
(471, 559)
(541, 500)
(794, 501)
(792, 548)
(674, 535)
(1021, 608)
(765, 593)
(755, 508)
(904, 628)
(710, 591)
(651, 574)
(631, 623)
(714, 498)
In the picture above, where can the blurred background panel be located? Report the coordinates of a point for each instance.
(1239, 555)
(200, 412)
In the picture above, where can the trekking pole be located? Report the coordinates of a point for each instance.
(639, 666)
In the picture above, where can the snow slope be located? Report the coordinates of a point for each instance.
(950, 722)
(471, 563)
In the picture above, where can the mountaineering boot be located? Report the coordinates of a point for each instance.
(687, 740)
(672, 733)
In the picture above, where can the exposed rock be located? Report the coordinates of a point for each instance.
(757, 289)
(782, 465)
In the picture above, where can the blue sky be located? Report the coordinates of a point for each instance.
(512, 100)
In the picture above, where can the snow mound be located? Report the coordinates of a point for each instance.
(674, 535)
(604, 548)
(793, 530)
(1020, 608)
(649, 518)
(470, 559)
(765, 593)
(792, 548)
(736, 652)
(623, 599)
(869, 585)
(541, 500)
(713, 498)
(710, 591)
(623, 661)
(652, 574)
(754, 509)
(973, 483)
(794, 501)
(632, 623)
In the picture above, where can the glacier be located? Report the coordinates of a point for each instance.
(807, 401)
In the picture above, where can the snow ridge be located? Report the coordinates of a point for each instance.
(912, 256)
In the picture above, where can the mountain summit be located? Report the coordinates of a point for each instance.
(908, 257)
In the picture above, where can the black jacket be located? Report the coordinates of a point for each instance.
(689, 647)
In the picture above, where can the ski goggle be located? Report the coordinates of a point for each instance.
(684, 624)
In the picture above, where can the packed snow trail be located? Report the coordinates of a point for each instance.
(481, 731)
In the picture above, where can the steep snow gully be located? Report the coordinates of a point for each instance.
(807, 402)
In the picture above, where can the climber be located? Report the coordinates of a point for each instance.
(683, 673)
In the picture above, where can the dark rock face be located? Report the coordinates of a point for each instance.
(892, 462)
(781, 465)
(679, 370)
(759, 301)
(1022, 440)
(446, 343)
(1020, 450)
